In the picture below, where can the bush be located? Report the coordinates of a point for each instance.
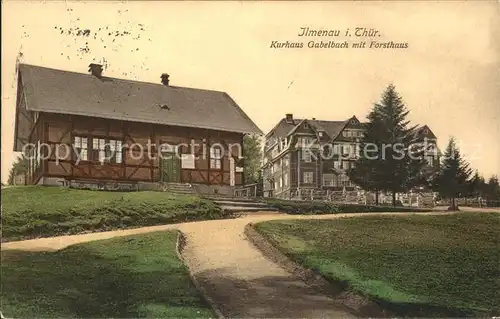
(322, 207)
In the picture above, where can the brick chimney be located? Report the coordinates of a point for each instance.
(95, 70)
(164, 79)
(289, 118)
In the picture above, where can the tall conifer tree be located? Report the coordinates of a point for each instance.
(453, 178)
(389, 161)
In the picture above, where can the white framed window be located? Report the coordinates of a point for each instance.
(345, 165)
(81, 147)
(430, 161)
(336, 149)
(116, 151)
(336, 164)
(215, 158)
(345, 149)
(305, 141)
(308, 177)
(99, 149)
(306, 156)
(349, 149)
(345, 181)
(285, 179)
(286, 160)
(328, 180)
(320, 134)
(283, 143)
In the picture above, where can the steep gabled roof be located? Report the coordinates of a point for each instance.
(424, 131)
(283, 127)
(331, 128)
(58, 91)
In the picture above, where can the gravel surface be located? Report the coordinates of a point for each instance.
(244, 283)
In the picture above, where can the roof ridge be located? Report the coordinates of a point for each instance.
(119, 79)
(69, 92)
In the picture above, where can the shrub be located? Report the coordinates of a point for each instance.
(322, 207)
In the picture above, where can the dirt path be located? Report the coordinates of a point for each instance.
(244, 283)
(232, 272)
(60, 242)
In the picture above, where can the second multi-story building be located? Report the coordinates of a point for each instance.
(305, 155)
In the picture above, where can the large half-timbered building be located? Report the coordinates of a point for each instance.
(293, 165)
(100, 130)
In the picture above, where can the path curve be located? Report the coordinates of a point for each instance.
(240, 280)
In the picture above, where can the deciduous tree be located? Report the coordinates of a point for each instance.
(252, 152)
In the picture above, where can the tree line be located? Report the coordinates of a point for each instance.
(384, 171)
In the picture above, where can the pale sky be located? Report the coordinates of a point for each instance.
(449, 76)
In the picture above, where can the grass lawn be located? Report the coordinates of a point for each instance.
(35, 211)
(446, 265)
(132, 276)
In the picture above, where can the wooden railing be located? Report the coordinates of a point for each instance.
(249, 190)
(359, 197)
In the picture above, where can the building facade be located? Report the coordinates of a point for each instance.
(302, 156)
(91, 129)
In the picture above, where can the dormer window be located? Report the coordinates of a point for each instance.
(320, 134)
(306, 125)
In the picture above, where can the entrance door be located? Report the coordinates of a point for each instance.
(170, 168)
(232, 169)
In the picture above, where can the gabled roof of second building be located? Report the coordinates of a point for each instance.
(331, 128)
